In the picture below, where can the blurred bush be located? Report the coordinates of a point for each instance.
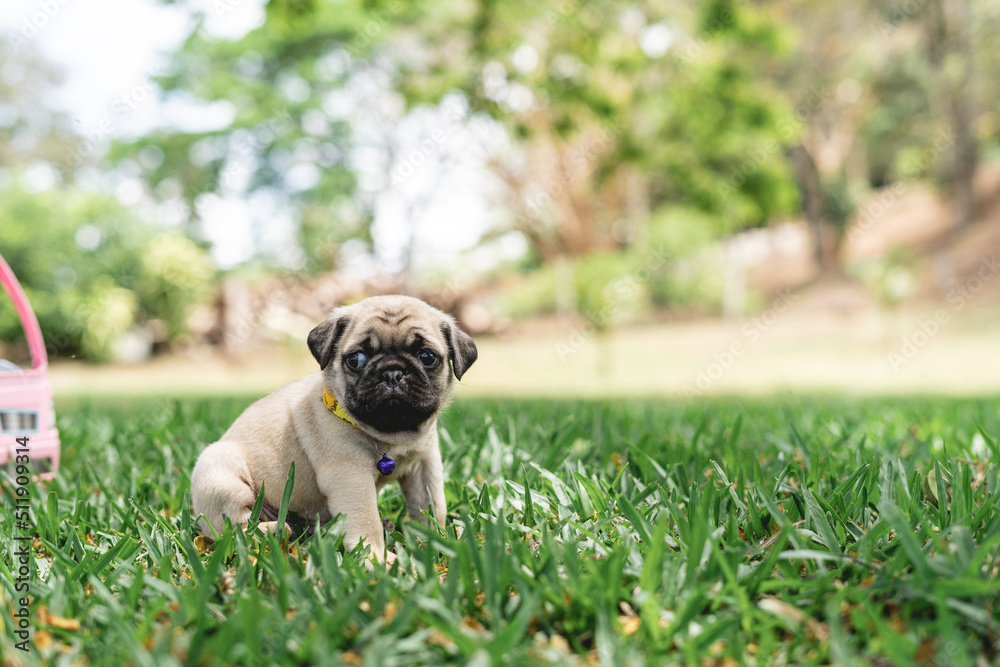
(600, 286)
(675, 261)
(531, 294)
(694, 277)
(94, 272)
(612, 288)
(173, 275)
(892, 278)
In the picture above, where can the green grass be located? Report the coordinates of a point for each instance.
(771, 531)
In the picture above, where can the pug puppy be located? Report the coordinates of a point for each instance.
(368, 416)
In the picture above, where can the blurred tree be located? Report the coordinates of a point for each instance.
(616, 108)
(948, 28)
(886, 92)
(32, 135)
(289, 85)
(92, 269)
(837, 51)
(615, 111)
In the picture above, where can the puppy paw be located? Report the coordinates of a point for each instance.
(375, 560)
(272, 527)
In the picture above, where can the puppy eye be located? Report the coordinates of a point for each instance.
(356, 360)
(427, 358)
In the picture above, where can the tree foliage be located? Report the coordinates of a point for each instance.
(610, 119)
(286, 139)
(614, 109)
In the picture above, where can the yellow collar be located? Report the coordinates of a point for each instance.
(334, 406)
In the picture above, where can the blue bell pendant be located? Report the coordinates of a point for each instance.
(386, 465)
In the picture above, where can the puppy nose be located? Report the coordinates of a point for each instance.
(393, 376)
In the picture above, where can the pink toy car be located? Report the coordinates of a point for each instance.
(26, 395)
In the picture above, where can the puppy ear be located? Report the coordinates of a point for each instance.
(324, 338)
(461, 348)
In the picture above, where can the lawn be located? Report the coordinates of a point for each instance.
(720, 531)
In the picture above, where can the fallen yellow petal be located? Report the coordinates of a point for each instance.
(61, 623)
(630, 624)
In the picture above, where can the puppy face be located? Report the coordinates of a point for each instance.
(391, 360)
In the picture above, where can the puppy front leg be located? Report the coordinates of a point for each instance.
(357, 500)
(424, 484)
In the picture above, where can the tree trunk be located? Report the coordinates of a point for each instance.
(963, 111)
(812, 198)
(948, 29)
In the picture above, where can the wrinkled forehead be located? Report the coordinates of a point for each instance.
(395, 330)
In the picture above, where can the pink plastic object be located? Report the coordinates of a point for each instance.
(26, 395)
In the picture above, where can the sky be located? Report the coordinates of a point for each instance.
(108, 50)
